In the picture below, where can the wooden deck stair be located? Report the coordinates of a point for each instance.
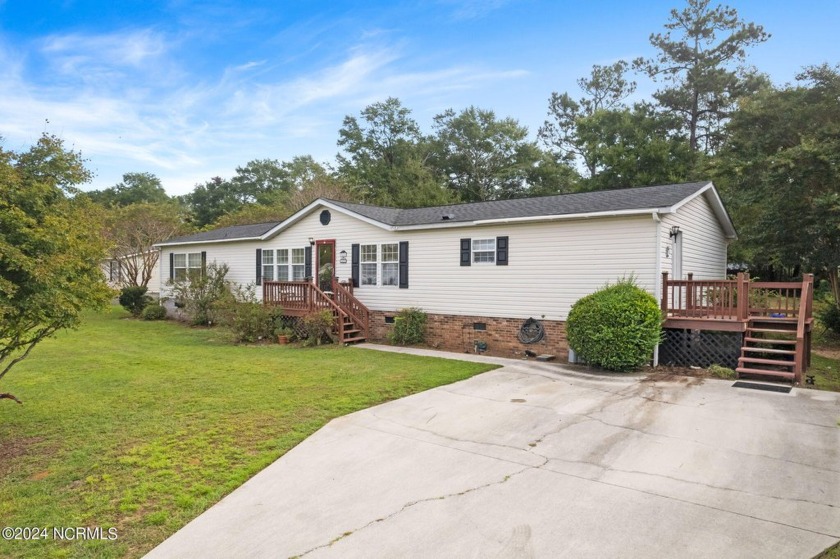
(771, 349)
(351, 319)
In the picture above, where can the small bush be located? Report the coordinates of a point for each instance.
(134, 299)
(204, 295)
(616, 328)
(317, 328)
(829, 316)
(719, 371)
(154, 312)
(409, 327)
(247, 318)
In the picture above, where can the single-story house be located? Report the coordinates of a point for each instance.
(123, 271)
(479, 270)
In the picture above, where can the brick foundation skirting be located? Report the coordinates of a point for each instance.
(458, 333)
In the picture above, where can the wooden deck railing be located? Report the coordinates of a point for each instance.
(302, 297)
(343, 296)
(738, 299)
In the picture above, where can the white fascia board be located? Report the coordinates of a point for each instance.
(300, 214)
(712, 196)
(210, 242)
(614, 213)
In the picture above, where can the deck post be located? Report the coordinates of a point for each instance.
(743, 296)
(664, 302)
(690, 295)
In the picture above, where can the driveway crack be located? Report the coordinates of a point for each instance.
(411, 504)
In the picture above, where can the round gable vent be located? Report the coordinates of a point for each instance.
(325, 217)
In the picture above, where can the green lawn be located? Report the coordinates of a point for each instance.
(141, 426)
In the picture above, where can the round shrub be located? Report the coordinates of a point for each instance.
(616, 328)
(153, 312)
(829, 315)
(134, 299)
(409, 327)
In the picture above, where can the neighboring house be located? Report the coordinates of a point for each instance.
(478, 269)
(117, 271)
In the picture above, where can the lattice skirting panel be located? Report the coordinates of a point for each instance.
(700, 348)
(293, 322)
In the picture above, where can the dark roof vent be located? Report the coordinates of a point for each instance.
(447, 217)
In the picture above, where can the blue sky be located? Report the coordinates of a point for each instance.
(189, 90)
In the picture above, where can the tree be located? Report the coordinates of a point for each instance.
(51, 247)
(135, 188)
(780, 173)
(700, 62)
(211, 200)
(606, 88)
(386, 158)
(133, 231)
(633, 147)
(484, 158)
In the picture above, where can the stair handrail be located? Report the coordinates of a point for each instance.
(340, 313)
(804, 311)
(342, 293)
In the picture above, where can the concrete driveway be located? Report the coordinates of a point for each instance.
(533, 461)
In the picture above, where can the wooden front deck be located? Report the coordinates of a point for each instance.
(300, 298)
(771, 315)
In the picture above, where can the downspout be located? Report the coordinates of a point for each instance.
(657, 285)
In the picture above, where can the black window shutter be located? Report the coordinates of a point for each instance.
(466, 257)
(307, 262)
(403, 265)
(354, 264)
(171, 265)
(259, 266)
(501, 251)
(204, 262)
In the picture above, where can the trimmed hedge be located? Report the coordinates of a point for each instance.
(409, 327)
(616, 328)
(134, 299)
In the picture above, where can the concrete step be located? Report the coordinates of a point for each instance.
(765, 372)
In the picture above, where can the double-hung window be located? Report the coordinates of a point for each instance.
(268, 265)
(484, 251)
(298, 262)
(283, 264)
(379, 264)
(369, 267)
(390, 257)
(185, 264)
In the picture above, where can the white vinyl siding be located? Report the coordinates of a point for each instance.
(704, 245)
(556, 262)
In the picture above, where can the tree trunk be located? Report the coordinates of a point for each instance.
(834, 282)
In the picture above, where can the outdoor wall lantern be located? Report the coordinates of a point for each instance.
(342, 257)
(312, 241)
(675, 230)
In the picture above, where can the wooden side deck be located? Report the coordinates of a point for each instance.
(776, 318)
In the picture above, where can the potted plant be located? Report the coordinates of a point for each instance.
(284, 335)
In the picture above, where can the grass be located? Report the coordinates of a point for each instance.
(825, 360)
(141, 426)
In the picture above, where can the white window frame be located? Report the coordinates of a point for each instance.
(366, 264)
(474, 253)
(188, 264)
(268, 265)
(377, 266)
(287, 264)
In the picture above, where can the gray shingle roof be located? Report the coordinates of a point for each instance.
(227, 233)
(662, 196)
(642, 198)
